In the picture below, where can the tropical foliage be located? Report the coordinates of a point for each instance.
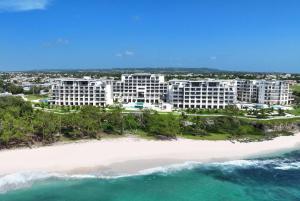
(21, 125)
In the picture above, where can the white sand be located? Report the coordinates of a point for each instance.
(118, 153)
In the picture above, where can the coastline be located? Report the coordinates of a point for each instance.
(128, 155)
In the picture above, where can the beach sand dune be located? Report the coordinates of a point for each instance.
(129, 154)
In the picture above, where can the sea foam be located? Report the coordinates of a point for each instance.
(21, 180)
(26, 179)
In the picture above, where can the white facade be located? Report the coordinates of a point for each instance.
(140, 87)
(270, 92)
(153, 89)
(274, 92)
(247, 90)
(81, 92)
(202, 93)
(118, 87)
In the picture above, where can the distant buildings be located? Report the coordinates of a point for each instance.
(153, 89)
(27, 86)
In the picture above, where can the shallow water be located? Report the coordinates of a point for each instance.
(267, 179)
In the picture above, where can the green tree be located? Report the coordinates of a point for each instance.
(46, 126)
(14, 89)
(162, 125)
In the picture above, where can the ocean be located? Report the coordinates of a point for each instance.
(275, 178)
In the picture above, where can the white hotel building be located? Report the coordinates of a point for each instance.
(270, 92)
(153, 89)
(202, 93)
(274, 92)
(140, 87)
(86, 91)
(247, 90)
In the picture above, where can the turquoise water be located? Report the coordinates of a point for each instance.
(268, 179)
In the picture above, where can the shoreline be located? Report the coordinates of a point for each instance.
(129, 155)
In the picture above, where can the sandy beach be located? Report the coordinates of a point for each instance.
(131, 154)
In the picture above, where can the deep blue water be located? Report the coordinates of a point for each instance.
(267, 179)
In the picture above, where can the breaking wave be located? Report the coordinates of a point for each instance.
(26, 179)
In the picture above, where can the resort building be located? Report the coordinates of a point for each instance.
(118, 87)
(141, 87)
(144, 89)
(270, 92)
(86, 91)
(202, 93)
(247, 91)
(274, 92)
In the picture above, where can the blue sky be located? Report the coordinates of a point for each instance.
(251, 35)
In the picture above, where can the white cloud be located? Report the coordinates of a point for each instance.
(213, 58)
(23, 5)
(126, 53)
(62, 41)
(119, 55)
(129, 53)
(57, 42)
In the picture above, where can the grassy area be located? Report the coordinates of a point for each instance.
(32, 97)
(296, 87)
(277, 121)
(295, 111)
